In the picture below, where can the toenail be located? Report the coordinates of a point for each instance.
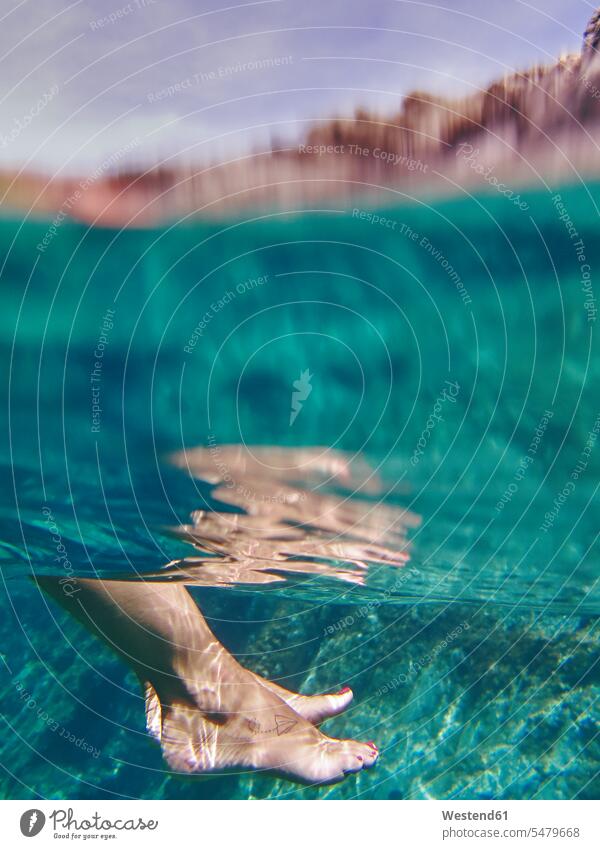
(344, 690)
(372, 744)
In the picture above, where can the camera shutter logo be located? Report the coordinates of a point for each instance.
(32, 822)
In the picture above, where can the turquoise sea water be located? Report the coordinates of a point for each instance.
(455, 347)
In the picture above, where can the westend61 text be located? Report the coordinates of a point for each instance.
(475, 815)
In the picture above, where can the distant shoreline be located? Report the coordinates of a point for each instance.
(529, 128)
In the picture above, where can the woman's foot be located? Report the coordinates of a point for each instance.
(315, 709)
(207, 711)
(261, 731)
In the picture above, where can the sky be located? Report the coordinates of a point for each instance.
(95, 82)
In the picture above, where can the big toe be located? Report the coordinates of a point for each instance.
(317, 709)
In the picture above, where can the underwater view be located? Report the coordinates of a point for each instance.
(300, 422)
(348, 451)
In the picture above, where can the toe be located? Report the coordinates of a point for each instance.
(366, 752)
(372, 754)
(327, 760)
(317, 709)
(353, 756)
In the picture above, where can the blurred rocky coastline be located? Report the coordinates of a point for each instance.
(534, 127)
